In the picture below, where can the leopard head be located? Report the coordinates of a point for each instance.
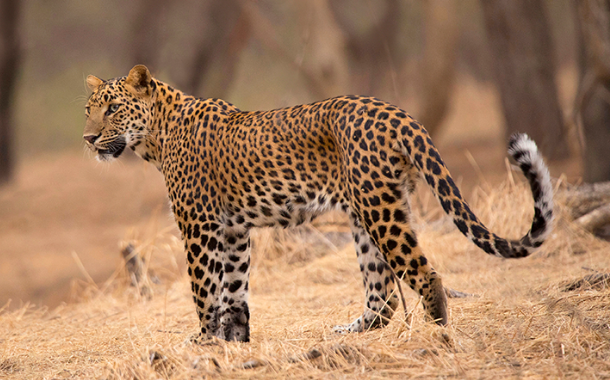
(119, 112)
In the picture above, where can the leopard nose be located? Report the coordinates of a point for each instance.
(91, 138)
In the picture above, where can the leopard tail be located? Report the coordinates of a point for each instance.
(422, 152)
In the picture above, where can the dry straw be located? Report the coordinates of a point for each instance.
(521, 321)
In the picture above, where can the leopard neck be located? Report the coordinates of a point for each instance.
(164, 109)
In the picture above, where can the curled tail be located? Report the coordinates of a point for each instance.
(424, 155)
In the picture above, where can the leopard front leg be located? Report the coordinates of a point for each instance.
(205, 253)
(234, 311)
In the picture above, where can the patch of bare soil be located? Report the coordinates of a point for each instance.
(65, 210)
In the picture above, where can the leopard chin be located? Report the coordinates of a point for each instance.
(113, 149)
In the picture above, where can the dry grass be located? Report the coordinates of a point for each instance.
(520, 323)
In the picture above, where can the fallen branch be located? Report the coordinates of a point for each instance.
(139, 275)
(587, 197)
(161, 363)
(595, 219)
(589, 206)
(591, 281)
(251, 364)
(134, 265)
(312, 354)
(457, 294)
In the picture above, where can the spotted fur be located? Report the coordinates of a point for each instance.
(227, 171)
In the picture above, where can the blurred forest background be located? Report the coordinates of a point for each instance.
(473, 71)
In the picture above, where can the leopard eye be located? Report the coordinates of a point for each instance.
(87, 111)
(112, 108)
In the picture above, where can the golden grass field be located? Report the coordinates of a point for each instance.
(518, 322)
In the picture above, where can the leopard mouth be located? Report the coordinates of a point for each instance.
(112, 149)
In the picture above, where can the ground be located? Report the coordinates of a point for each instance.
(518, 322)
(63, 208)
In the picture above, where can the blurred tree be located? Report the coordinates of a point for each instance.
(441, 28)
(370, 39)
(266, 32)
(224, 34)
(592, 101)
(520, 41)
(9, 63)
(219, 36)
(324, 53)
(146, 31)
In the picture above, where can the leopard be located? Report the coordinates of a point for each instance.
(228, 171)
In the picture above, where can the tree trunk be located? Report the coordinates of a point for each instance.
(145, 31)
(519, 38)
(9, 62)
(372, 57)
(596, 129)
(441, 30)
(593, 104)
(324, 53)
(266, 32)
(225, 34)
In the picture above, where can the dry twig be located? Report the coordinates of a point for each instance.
(591, 281)
(457, 294)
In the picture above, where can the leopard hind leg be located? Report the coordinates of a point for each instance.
(380, 298)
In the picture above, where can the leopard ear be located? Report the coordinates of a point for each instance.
(93, 82)
(139, 79)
